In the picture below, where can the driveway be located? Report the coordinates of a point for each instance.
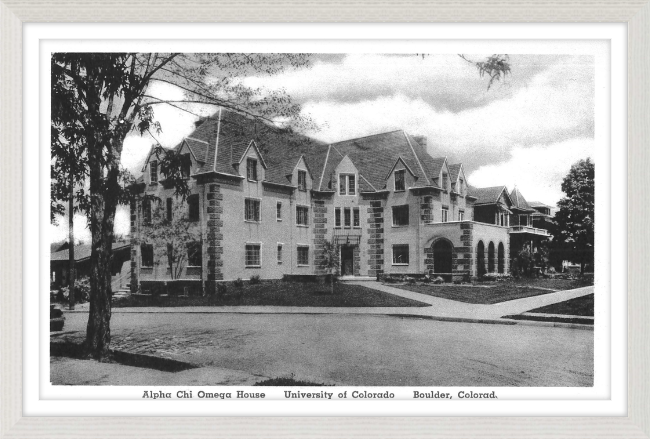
(358, 349)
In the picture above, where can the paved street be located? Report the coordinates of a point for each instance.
(359, 349)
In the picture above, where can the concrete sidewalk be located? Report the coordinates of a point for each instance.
(443, 309)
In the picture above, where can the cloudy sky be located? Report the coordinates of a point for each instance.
(526, 131)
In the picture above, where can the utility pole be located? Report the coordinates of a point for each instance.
(71, 275)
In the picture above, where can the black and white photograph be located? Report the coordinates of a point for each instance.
(323, 220)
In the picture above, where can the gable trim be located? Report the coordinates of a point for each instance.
(327, 156)
(417, 159)
(257, 151)
(216, 143)
(393, 168)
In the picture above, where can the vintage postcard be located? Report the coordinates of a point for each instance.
(327, 225)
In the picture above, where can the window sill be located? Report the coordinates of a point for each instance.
(302, 190)
(279, 262)
(253, 266)
(401, 265)
(252, 222)
(302, 225)
(279, 220)
(303, 265)
(252, 181)
(400, 226)
(399, 190)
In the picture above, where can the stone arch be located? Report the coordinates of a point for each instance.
(480, 259)
(501, 258)
(490, 257)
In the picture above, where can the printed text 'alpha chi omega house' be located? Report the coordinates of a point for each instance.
(263, 203)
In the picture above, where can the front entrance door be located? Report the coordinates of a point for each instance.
(347, 260)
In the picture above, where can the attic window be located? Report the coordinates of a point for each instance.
(251, 169)
(347, 184)
(153, 171)
(302, 180)
(445, 182)
(461, 186)
(399, 180)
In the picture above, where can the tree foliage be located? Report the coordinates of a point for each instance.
(331, 260)
(177, 238)
(496, 67)
(100, 98)
(575, 217)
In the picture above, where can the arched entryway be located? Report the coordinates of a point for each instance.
(442, 255)
(480, 259)
(491, 257)
(501, 258)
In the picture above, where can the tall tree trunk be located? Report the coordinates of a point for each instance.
(71, 275)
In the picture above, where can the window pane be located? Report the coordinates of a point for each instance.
(303, 255)
(251, 210)
(302, 180)
(401, 215)
(279, 252)
(146, 251)
(252, 255)
(278, 211)
(146, 211)
(251, 169)
(194, 254)
(302, 213)
(153, 168)
(193, 203)
(401, 254)
(337, 217)
(399, 180)
(351, 185)
(341, 184)
(346, 211)
(356, 217)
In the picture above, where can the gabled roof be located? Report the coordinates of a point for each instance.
(535, 204)
(374, 156)
(82, 252)
(519, 201)
(488, 195)
(454, 170)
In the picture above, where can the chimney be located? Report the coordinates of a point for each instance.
(422, 140)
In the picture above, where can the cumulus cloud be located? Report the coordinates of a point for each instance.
(536, 170)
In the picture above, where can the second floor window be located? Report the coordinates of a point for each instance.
(347, 184)
(251, 169)
(400, 184)
(146, 253)
(445, 215)
(193, 207)
(461, 215)
(146, 211)
(355, 217)
(153, 171)
(302, 215)
(252, 210)
(194, 254)
(337, 217)
(278, 211)
(348, 217)
(401, 215)
(302, 180)
(186, 165)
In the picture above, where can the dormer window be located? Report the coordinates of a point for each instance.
(445, 182)
(400, 184)
(153, 171)
(347, 184)
(461, 186)
(302, 180)
(251, 169)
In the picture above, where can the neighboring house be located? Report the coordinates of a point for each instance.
(264, 206)
(542, 218)
(494, 205)
(60, 262)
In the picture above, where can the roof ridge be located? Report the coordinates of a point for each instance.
(342, 156)
(322, 175)
(365, 137)
(197, 140)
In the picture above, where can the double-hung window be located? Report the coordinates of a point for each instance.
(153, 171)
(400, 254)
(146, 253)
(194, 254)
(302, 180)
(347, 215)
(337, 217)
(193, 207)
(401, 215)
(251, 169)
(278, 211)
(400, 184)
(355, 217)
(427, 210)
(279, 254)
(252, 210)
(445, 214)
(302, 215)
(303, 255)
(253, 255)
(347, 184)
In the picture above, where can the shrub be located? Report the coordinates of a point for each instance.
(255, 279)
(82, 291)
(496, 276)
(222, 289)
(239, 283)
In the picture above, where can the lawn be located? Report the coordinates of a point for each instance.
(278, 294)
(484, 294)
(554, 284)
(580, 306)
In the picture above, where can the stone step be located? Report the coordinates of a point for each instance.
(357, 279)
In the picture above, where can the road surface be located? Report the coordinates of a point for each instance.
(360, 350)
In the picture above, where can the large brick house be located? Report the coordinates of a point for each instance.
(264, 205)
